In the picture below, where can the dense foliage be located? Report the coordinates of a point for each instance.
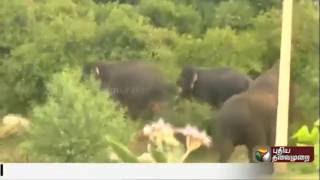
(40, 38)
(74, 122)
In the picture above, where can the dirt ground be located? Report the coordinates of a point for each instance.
(9, 151)
(207, 156)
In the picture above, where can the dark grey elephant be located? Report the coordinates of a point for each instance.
(139, 86)
(213, 86)
(249, 118)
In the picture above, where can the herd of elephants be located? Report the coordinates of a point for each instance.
(246, 107)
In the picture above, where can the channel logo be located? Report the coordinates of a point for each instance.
(263, 154)
(284, 154)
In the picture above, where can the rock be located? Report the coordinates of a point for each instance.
(13, 125)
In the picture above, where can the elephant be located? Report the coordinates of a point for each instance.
(213, 86)
(138, 86)
(249, 118)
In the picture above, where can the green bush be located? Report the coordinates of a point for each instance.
(305, 57)
(304, 137)
(161, 13)
(187, 20)
(72, 125)
(266, 29)
(165, 13)
(122, 35)
(233, 13)
(53, 34)
(211, 50)
(194, 113)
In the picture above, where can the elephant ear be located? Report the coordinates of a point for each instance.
(194, 79)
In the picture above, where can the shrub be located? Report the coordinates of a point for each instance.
(44, 37)
(304, 137)
(221, 47)
(183, 18)
(161, 13)
(72, 125)
(194, 113)
(123, 34)
(236, 14)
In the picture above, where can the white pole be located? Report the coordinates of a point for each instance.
(284, 81)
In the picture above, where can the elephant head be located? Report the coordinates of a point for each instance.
(187, 81)
(100, 72)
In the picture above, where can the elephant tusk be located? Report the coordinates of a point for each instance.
(97, 71)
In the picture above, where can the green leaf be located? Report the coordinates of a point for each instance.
(302, 135)
(314, 135)
(122, 151)
(158, 156)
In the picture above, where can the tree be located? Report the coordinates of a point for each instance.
(235, 14)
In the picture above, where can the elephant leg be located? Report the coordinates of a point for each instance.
(272, 129)
(257, 138)
(272, 135)
(226, 148)
(250, 155)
